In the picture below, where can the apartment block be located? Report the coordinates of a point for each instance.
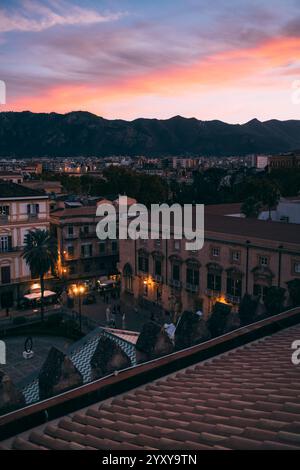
(81, 254)
(21, 209)
(239, 256)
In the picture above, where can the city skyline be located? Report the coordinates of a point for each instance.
(128, 60)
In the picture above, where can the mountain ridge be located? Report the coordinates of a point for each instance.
(80, 133)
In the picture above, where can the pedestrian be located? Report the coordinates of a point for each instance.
(119, 309)
(107, 314)
(199, 313)
(114, 311)
(123, 322)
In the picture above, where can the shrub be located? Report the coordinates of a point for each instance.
(19, 320)
(274, 300)
(294, 292)
(247, 310)
(218, 319)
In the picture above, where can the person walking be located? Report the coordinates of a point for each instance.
(114, 311)
(107, 314)
(123, 321)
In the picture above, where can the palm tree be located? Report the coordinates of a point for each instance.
(40, 253)
(270, 195)
(251, 207)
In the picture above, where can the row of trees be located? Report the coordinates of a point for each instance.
(40, 253)
(252, 309)
(147, 189)
(261, 193)
(211, 186)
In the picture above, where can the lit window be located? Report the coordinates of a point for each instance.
(143, 263)
(70, 230)
(297, 268)
(70, 250)
(236, 256)
(176, 245)
(215, 252)
(263, 260)
(5, 243)
(4, 211)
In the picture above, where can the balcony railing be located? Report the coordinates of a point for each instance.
(4, 219)
(88, 234)
(175, 283)
(234, 299)
(86, 255)
(212, 292)
(191, 287)
(10, 249)
(157, 278)
(32, 216)
(70, 237)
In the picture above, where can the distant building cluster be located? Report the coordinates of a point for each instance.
(240, 255)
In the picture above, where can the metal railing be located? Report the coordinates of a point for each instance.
(192, 287)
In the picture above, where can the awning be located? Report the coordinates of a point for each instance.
(37, 295)
(109, 282)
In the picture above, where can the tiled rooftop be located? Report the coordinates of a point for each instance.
(253, 228)
(81, 353)
(248, 398)
(11, 190)
(74, 212)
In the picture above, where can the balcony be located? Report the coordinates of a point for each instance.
(86, 256)
(174, 283)
(212, 293)
(233, 299)
(70, 237)
(88, 234)
(4, 219)
(192, 287)
(13, 249)
(32, 217)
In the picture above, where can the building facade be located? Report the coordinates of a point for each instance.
(239, 256)
(21, 210)
(284, 161)
(81, 254)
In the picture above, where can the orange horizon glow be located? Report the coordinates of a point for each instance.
(247, 68)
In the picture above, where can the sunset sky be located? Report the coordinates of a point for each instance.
(221, 59)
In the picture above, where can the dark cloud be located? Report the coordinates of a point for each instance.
(292, 28)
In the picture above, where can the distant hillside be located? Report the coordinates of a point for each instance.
(28, 134)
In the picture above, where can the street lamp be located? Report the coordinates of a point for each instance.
(79, 291)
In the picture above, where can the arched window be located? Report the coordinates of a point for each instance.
(192, 274)
(143, 261)
(234, 283)
(176, 263)
(128, 277)
(214, 277)
(157, 263)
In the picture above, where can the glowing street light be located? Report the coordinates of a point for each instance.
(79, 291)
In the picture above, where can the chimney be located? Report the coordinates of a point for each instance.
(107, 358)
(153, 342)
(58, 374)
(191, 329)
(10, 397)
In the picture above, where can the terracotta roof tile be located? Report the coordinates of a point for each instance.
(247, 399)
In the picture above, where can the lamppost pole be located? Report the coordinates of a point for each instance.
(80, 319)
(79, 290)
